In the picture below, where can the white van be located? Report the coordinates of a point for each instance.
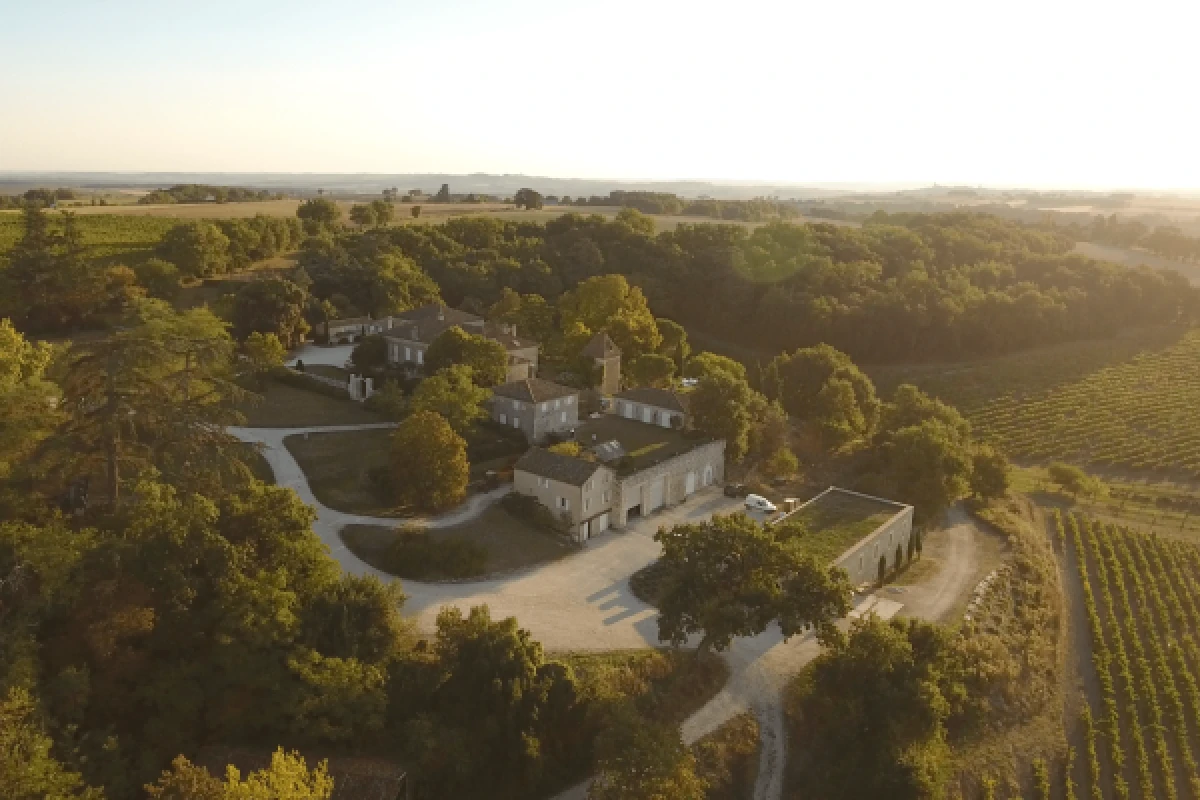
(755, 502)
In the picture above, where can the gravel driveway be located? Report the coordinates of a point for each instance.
(583, 601)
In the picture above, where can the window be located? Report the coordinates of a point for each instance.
(586, 503)
(516, 405)
(607, 498)
(545, 482)
(562, 416)
(563, 503)
(420, 356)
(587, 487)
(408, 354)
(516, 422)
(504, 419)
(556, 402)
(545, 406)
(571, 400)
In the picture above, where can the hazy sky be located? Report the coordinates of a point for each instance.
(1083, 93)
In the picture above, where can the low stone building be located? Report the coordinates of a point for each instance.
(650, 467)
(574, 488)
(536, 407)
(346, 331)
(662, 407)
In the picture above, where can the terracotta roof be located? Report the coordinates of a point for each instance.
(533, 390)
(600, 346)
(557, 467)
(659, 398)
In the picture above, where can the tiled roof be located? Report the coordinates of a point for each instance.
(557, 467)
(509, 340)
(600, 346)
(533, 390)
(659, 398)
(426, 323)
(342, 323)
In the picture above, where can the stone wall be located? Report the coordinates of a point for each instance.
(861, 561)
(629, 489)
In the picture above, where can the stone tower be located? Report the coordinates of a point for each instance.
(607, 356)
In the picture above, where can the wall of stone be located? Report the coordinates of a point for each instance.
(861, 562)
(676, 470)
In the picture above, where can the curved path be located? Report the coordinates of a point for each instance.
(583, 601)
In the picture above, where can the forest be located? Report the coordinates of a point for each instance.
(201, 193)
(909, 287)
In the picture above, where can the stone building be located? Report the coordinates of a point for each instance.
(607, 356)
(409, 335)
(661, 407)
(575, 488)
(536, 407)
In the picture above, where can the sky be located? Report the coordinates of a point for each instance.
(1041, 94)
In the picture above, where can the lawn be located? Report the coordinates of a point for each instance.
(284, 406)
(645, 444)
(338, 465)
(831, 523)
(502, 541)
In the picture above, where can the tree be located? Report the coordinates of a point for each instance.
(271, 306)
(28, 770)
(384, 212)
(49, 285)
(443, 194)
(415, 211)
(486, 357)
(528, 199)
(781, 464)
(287, 778)
(429, 462)
(770, 429)
(1072, 479)
(720, 407)
(264, 352)
(821, 386)
(28, 400)
(650, 369)
(370, 354)
(363, 214)
(638, 759)
(161, 278)
(732, 577)
(159, 394)
(674, 342)
(452, 393)
(705, 363)
(319, 213)
(608, 303)
(989, 473)
(930, 466)
(873, 708)
(198, 249)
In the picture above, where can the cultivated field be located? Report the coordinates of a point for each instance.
(1135, 258)
(1140, 415)
(1139, 731)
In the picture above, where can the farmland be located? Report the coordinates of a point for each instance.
(1139, 415)
(1138, 731)
(107, 239)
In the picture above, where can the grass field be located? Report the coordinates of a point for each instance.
(506, 542)
(431, 213)
(338, 467)
(831, 523)
(284, 406)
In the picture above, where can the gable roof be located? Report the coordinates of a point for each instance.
(505, 337)
(341, 323)
(600, 346)
(426, 323)
(533, 390)
(557, 467)
(659, 398)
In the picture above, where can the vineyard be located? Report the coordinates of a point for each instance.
(1138, 415)
(108, 238)
(1141, 735)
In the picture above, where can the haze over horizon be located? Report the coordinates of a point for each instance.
(1045, 95)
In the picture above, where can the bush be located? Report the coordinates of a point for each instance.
(526, 507)
(489, 439)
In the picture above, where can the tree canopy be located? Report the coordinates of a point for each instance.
(486, 358)
(452, 393)
(429, 462)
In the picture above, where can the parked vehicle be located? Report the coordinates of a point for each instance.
(735, 490)
(756, 502)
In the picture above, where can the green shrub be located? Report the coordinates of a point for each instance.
(527, 508)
